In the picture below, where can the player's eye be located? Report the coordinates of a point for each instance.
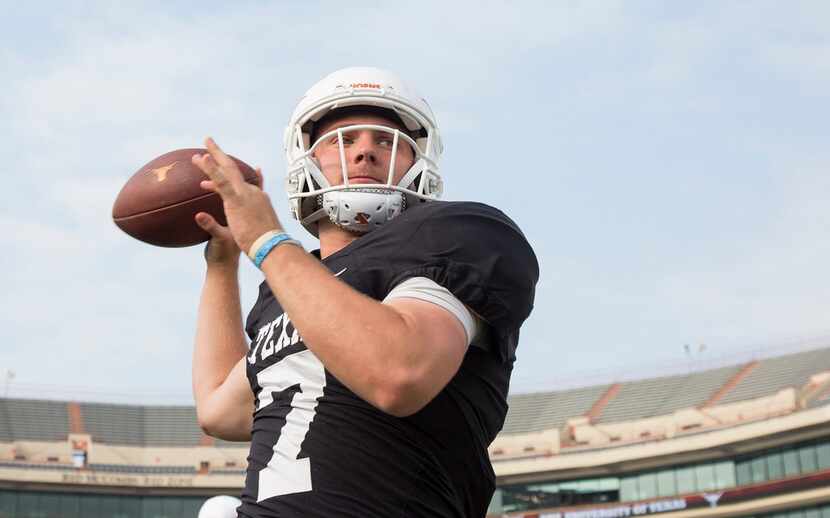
(385, 141)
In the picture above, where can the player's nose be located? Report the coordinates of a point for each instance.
(365, 148)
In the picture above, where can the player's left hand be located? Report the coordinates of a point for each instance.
(247, 207)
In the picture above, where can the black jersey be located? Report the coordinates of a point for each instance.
(319, 450)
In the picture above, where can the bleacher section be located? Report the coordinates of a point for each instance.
(638, 399)
(647, 409)
(171, 426)
(658, 396)
(5, 423)
(124, 425)
(33, 420)
(114, 424)
(542, 411)
(141, 426)
(773, 374)
(654, 397)
(696, 389)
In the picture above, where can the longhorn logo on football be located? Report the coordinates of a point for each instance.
(161, 172)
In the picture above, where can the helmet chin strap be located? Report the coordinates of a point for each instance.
(361, 210)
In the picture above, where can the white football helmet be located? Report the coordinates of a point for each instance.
(360, 207)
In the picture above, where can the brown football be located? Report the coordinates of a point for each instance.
(157, 205)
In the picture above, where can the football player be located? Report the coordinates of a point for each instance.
(378, 366)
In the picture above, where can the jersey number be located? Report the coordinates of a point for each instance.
(285, 473)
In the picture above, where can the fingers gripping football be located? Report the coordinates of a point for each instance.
(225, 177)
(221, 249)
(247, 207)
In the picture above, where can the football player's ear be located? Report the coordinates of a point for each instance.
(260, 180)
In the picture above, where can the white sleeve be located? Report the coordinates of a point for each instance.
(428, 290)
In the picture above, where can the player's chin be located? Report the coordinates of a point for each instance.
(363, 181)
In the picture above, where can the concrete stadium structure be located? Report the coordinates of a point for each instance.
(751, 439)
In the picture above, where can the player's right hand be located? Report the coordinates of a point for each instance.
(248, 208)
(221, 248)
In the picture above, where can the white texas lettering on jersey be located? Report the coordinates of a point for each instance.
(272, 337)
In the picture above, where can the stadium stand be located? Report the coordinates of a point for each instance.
(694, 388)
(5, 422)
(654, 397)
(114, 424)
(773, 374)
(36, 420)
(541, 411)
(755, 432)
(141, 426)
(171, 426)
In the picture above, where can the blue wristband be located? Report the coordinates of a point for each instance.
(269, 245)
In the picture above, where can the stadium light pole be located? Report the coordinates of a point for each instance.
(688, 350)
(9, 378)
(693, 357)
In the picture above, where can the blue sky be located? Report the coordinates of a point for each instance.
(668, 161)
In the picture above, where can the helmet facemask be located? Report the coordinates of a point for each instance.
(358, 207)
